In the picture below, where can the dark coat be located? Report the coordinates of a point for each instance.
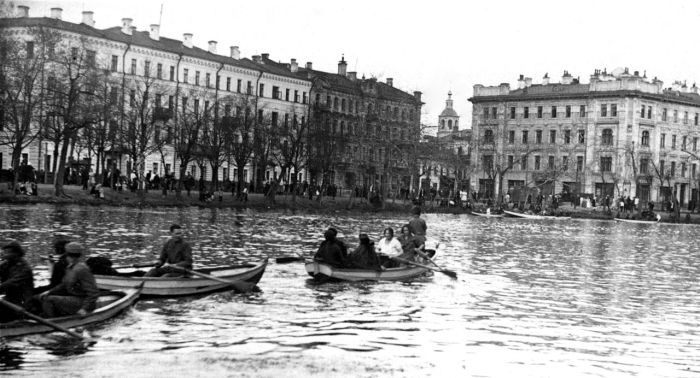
(16, 281)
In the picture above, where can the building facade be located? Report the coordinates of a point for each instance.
(621, 134)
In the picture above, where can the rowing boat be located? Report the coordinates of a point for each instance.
(244, 276)
(489, 215)
(532, 216)
(317, 269)
(109, 305)
(635, 220)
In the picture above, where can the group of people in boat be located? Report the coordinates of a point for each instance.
(72, 288)
(389, 252)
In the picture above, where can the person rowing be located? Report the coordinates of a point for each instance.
(418, 227)
(332, 251)
(175, 256)
(77, 293)
(16, 279)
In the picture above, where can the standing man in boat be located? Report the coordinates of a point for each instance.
(332, 251)
(16, 279)
(77, 293)
(418, 227)
(175, 256)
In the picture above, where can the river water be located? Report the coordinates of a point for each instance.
(533, 298)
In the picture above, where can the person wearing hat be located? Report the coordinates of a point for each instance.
(16, 279)
(332, 251)
(175, 256)
(77, 293)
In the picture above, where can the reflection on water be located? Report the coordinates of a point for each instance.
(532, 298)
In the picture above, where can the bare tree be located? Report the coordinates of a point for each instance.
(290, 151)
(189, 123)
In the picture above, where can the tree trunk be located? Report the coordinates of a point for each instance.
(59, 178)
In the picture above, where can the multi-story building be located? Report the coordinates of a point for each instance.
(620, 134)
(172, 79)
(364, 132)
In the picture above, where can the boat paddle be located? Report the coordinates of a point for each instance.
(446, 272)
(39, 319)
(290, 259)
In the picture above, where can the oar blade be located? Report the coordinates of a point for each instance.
(449, 273)
(288, 259)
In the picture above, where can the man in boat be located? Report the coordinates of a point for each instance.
(16, 279)
(175, 256)
(364, 256)
(332, 251)
(77, 293)
(418, 227)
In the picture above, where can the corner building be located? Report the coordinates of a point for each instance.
(621, 134)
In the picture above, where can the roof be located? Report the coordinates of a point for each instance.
(449, 112)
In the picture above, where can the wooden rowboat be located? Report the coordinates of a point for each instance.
(109, 305)
(484, 215)
(317, 270)
(532, 216)
(635, 220)
(244, 276)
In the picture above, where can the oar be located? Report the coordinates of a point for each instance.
(290, 259)
(446, 272)
(138, 265)
(39, 319)
(235, 285)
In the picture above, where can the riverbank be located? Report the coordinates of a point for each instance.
(257, 201)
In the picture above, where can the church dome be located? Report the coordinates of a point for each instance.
(448, 112)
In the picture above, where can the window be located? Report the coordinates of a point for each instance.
(159, 70)
(184, 104)
(510, 161)
(606, 164)
(74, 53)
(511, 137)
(207, 80)
(673, 142)
(685, 118)
(695, 143)
(607, 139)
(133, 66)
(538, 136)
(664, 115)
(512, 112)
(30, 50)
(296, 95)
(185, 75)
(567, 136)
(648, 112)
(644, 166)
(603, 110)
(147, 68)
(552, 136)
(488, 136)
(568, 111)
(115, 64)
(261, 90)
(684, 143)
(550, 162)
(539, 112)
(196, 106)
(675, 116)
(579, 163)
(228, 84)
(494, 113)
(645, 138)
(662, 141)
(303, 97)
(613, 110)
(581, 136)
(276, 94)
(565, 163)
(554, 112)
(643, 112)
(693, 169)
(90, 58)
(196, 77)
(661, 167)
(488, 162)
(683, 168)
(537, 163)
(249, 87)
(486, 113)
(132, 98)
(172, 73)
(524, 136)
(673, 169)
(582, 111)
(523, 162)
(171, 101)
(526, 112)
(696, 118)
(239, 84)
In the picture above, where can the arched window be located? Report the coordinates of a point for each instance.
(607, 137)
(335, 103)
(443, 123)
(449, 124)
(645, 138)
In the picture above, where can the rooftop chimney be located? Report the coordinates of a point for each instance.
(390, 81)
(187, 40)
(87, 18)
(266, 56)
(257, 59)
(126, 25)
(545, 79)
(342, 67)
(417, 95)
(567, 78)
(521, 82)
(22, 11)
(294, 67)
(352, 75)
(155, 32)
(309, 66)
(212, 47)
(235, 52)
(528, 82)
(56, 13)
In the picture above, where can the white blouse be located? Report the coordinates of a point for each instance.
(390, 248)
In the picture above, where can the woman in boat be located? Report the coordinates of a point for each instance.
(16, 279)
(390, 247)
(364, 256)
(409, 244)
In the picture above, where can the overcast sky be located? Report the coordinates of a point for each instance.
(431, 46)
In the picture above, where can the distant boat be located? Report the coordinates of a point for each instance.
(636, 220)
(532, 216)
(489, 215)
